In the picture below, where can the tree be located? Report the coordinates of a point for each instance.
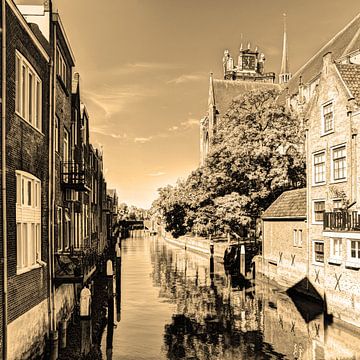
(256, 154)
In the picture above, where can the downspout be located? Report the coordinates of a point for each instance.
(3, 179)
(308, 207)
(52, 97)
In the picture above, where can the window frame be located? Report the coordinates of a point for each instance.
(314, 182)
(336, 256)
(333, 149)
(314, 221)
(323, 132)
(28, 97)
(315, 261)
(28, 222)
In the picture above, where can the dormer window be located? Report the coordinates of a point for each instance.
(328, 118)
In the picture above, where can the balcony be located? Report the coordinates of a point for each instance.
(74, 175)
(75, 266)
(342, 221)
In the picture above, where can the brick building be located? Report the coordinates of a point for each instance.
(26, 167)
(285, 238)
(325, 94)
(53, 219)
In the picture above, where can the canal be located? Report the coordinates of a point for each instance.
(175, 306)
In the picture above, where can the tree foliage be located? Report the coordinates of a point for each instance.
(256, 154)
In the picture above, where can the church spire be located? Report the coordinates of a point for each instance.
(211, 100)
(285, 74)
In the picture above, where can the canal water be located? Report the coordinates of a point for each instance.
(174, 305)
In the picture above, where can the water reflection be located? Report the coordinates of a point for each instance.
(220, 317)
(202, 313)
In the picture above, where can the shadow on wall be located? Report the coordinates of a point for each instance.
(310, 307)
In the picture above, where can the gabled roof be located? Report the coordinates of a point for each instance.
(344, 42)
(350, 74)
(290, 204)
(227, 90)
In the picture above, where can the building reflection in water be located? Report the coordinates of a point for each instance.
(218, 318)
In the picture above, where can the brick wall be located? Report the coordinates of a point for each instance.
(27, 150)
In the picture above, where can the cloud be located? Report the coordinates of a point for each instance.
(190, 123)
(101, 131)
(159, 173)
(173, 128)
(142, 140)
(113, 99)
(186, 78)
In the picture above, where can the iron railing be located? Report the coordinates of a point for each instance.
(75, 175)
(342, 221)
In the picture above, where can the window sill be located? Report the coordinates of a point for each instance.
(338, 181)
(29, 123)
(317, 223)
(315, 263)
(25, 270)
(334, 261)
(319, 184)
(352, 264)
(327, 133)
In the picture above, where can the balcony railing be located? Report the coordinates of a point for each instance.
(342, 221)
(77, 266)
(74, 175)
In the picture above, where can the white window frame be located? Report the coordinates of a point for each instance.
(323, 132)
(316, 222)
(28, 97)
(28, 222)
(314, 182)
(299, 238)
(313, 252)
(334, 148)
(56, 140)
(336, 250)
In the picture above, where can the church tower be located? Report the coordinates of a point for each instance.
(285, 74)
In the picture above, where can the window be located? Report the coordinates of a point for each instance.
(335, 248)
(337, 204)
(319, 168)
(28, 92)
(339, 163)
(56, 140)
(319, 209)
(328, 117)
(60, 236)
(297, 238)
(28, 220)
(355, 250)
(61, 69)
(318, 251)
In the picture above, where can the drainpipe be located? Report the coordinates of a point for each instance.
(3, 178)
(352, 160)
(52, 97)
(308, 207)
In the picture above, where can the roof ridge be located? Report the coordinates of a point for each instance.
(327, 44)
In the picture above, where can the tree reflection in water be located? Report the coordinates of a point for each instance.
(214, 319)
(219, 317)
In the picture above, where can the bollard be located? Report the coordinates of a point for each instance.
(54, 345)
(242, 260)
(63, 334)
(211, 248)
(85, 320)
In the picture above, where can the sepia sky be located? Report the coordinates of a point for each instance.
(144, 67)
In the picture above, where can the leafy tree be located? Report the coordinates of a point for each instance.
(256, 154)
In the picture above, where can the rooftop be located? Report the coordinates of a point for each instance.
(227, 90)
(350, 73)
(290, 204)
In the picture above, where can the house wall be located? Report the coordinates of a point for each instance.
(337, 282)
(283, 261)
(26, 150)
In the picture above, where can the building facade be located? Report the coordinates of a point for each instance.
(53, 222)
